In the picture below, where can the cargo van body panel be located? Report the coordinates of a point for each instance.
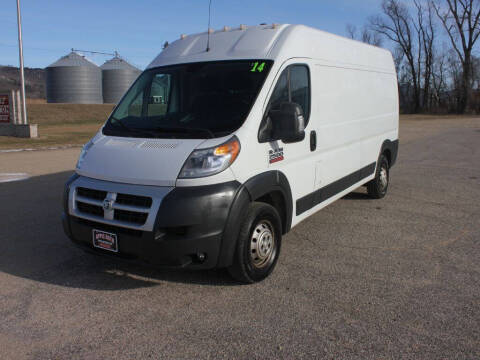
(286, 116)
(113, 155)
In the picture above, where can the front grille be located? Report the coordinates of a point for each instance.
(90, 209)
(130, 216)
(91, 193)
(135, 200)
(126, 209)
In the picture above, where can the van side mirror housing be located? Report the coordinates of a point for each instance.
(288, 123)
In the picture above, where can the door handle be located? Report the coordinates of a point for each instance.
(313, 140)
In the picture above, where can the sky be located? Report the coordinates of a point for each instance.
(137, 29)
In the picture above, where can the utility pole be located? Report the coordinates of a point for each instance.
(22, 73)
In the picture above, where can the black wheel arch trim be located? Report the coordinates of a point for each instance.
(392, 147)
(269, 182)
(253, 189)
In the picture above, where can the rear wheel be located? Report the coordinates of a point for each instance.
(258, 244)
(377, 188)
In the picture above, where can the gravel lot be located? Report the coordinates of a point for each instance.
(397, 278)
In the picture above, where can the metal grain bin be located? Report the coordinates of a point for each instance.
(117, 75)
(74, 79)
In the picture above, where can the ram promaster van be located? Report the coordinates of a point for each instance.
(215, 153)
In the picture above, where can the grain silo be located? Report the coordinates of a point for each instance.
(74, 79)
(117, 75)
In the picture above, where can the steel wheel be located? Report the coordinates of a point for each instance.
(262, 245)
(383, 178)
(377, 188)
(258, 244)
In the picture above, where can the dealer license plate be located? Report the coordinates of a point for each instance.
(105, 240)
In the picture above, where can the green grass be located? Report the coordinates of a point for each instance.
(60, 125)
(58, 114)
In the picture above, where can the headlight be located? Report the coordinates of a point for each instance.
(83, 153)
(206, 162)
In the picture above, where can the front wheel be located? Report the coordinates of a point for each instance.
(377, 188)
(258, 244)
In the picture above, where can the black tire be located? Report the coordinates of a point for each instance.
(377, 188)
(261, 222)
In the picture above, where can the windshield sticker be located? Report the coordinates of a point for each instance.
(257, 67)
(275, 155)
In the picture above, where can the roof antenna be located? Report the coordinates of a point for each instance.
(208, 31)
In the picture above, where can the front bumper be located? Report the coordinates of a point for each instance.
(169, 251)
(189, 222)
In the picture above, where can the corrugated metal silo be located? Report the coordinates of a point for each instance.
(74, 79)
(117, 76)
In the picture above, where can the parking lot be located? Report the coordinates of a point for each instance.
(397, 278)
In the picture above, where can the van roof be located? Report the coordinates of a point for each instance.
(274, 42)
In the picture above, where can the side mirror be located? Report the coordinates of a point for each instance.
(288, 123)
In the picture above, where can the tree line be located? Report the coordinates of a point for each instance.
(434, 44)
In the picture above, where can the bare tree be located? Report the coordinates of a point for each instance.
(439, 79)
(367, 36)
(476, 73)
(398, 56)
(460, 18)
(351, 31)
(396, 25)
(371, 37)
(431, 77)
(426, 34)
(475, 102)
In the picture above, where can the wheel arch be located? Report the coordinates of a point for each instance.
(271, 187)
(390, 150)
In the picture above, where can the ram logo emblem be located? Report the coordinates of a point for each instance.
(107, 204)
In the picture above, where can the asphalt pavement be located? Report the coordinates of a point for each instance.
(397, 278)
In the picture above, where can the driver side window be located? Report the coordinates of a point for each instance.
(280, 93)
(293, 86)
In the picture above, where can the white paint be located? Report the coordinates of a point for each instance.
(354, 109)
(133, 163)
(278, 43)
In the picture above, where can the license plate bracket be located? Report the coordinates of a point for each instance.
(105, 240)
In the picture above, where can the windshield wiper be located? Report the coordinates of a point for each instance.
(154, 131)
(128, 128)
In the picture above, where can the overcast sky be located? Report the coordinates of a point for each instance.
(137, 29)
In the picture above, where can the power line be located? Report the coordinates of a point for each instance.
(95, 52)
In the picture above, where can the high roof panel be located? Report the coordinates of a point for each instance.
(278, 43)
(238, 43)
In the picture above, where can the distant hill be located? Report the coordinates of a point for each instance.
(34, 81)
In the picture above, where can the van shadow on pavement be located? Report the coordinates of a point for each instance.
(357, 195)
(33, 245)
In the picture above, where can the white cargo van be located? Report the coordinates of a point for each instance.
(250, 137)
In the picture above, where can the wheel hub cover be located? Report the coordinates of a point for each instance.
(262, 245)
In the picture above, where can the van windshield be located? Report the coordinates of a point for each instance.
(197, 100)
